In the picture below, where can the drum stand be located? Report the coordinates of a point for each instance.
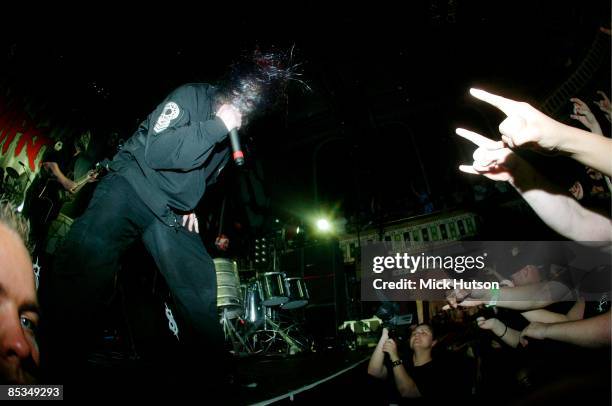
(274, 329)
(294, 346)
(230, 332)
(278, 333)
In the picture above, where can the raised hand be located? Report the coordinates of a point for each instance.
(583, 113)
(604, 104)
(391, 348)
(465, 298)
(491, 159)
(524, 126)
(385, 333)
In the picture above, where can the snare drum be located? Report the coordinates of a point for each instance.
(229, 296)
(272, 288)
(297, 292)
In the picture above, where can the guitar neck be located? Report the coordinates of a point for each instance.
(79, 183)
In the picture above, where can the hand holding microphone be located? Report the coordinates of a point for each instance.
(232, 118)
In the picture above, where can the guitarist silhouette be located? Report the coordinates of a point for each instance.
(58, 188)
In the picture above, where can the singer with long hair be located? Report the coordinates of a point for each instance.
(154, 184)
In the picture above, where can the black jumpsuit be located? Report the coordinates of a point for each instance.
(161, 172)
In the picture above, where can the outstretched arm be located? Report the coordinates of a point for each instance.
(528, 297)
(508, 335)
(526, 126)
(561, 212)
(557, 209)
(546, 316)
(593, 332)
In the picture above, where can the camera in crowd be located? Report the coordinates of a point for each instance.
(388, 312)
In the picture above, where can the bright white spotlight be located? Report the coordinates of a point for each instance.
(323, 225)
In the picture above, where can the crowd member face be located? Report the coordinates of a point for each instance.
(528, 275)
(422, 338)
(19, 356)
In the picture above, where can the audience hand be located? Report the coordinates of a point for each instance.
(583, 113)
(524, 126)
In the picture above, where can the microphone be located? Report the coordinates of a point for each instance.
(238, 155)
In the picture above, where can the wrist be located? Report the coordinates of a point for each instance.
(596, 129)
(567, 140)
(546, 330)
(521, 173)
(493, 297)
(498, 328)
(484, 295)
(562, 137)
(503, 329)
(524, 177)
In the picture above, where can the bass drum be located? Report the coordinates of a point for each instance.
(229, 297)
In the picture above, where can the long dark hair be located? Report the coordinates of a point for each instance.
(258, 81)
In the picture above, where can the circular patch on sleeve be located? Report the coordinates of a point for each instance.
(170, 112)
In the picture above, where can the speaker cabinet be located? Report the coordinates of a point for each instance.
(321, 267)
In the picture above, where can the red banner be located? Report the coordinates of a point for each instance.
(22, 144)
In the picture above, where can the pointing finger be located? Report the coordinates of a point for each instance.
(505, 105)
(478, 139)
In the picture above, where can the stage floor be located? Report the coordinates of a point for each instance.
(303, 378)
(271, 379)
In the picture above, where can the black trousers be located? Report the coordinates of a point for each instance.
(80, 285)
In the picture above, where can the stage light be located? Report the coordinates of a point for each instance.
(323, 225)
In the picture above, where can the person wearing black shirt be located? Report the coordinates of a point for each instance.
(416, 376)
(155, 182)
(54, 190)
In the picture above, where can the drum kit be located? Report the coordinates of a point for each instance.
(12, 185)
(258, 315)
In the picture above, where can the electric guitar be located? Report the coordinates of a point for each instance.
(52, 196)
(101, 167)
